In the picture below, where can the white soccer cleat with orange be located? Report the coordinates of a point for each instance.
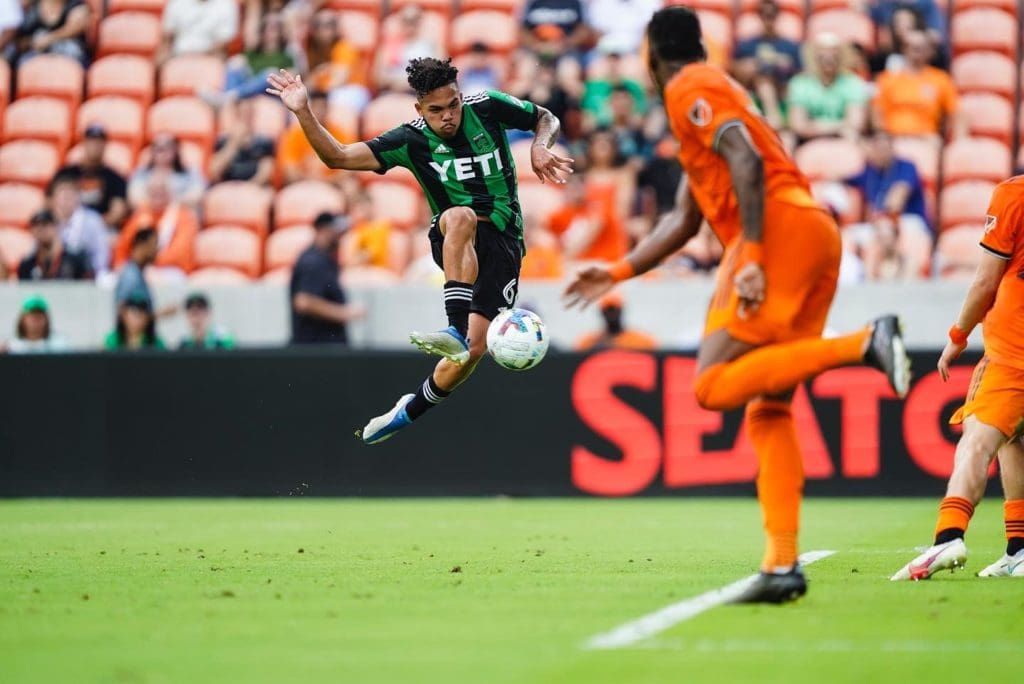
(948, 556)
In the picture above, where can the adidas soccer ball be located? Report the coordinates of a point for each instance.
(517, 339)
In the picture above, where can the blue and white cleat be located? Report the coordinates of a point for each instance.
(383, 427)
(448, 343)
(1007, 566)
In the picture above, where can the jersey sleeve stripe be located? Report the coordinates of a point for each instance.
(995, 252)
(732, 123)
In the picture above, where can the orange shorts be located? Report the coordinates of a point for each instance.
(995, 397)
(801, 249)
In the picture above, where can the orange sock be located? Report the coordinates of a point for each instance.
(780, 481)
(775, 369)
(1013, 514)
(954, 515)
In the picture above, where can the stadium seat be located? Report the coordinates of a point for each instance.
(238, 203)
(988, 115)
(822, 5)
(849, 25)
(52, 75)
(39, 118)
(299, 203)
(387, 111)
(497, 30)
(829, 158)
(120, 116)
(152, 6)
(278, 276)
(284, 246)
(986, 72)
(513, 7)
(957, 253)
(270, 117)
(521, 158)
(5, 82)
(18, 201)
(435, 26)
(118, 155)
(965, 5)
(187, 118)
(342, 115)
(788, 25)
(791, 6)
(217, 275)
(360, 28)
(395, 202)
(717, 28)
(15, 245)
(371, 6)
(444, 7)
(136, 33)
(229, 247)
(124, 75)
(968, 159)
(189, 74)
(28, 161)
(984, 29)
(964, 202)
(539, 201)
(924, 154)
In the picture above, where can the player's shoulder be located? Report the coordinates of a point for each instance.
(1009, 193)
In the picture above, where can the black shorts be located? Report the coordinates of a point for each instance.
(499, 256)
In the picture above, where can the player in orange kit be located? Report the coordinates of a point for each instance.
(993, 415)
(776, 281)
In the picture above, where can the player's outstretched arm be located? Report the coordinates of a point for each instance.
(546, 164)
(291, 90)
(979, 300)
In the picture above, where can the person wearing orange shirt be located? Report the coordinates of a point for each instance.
(778, 275)
(296, 159)
(588, 225)
(372, 241)
(544, 259)
(176, 226)
(336, 65)
(993, 413)
(615, 335)
(918, 99)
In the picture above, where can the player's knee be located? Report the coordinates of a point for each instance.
(459, 223)
(973, 449)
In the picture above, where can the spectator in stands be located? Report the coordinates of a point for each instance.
(202, 333)
(614, 335)
(764, 64)
(33, 331)
(587, 225)
(241, 154)
(919, 99)
(132, 280)
(187, 184)
(136, 326)
(537, 81)
(896, 240)
(11, 17)
(246, 74)
(104, 190)
(370, 241)
(932, 17)
(607, 177)
(621, 23)
(597, 93)
(554, 27)
(81, 228)
(625, 127)
(296, 159)
(903, 21)
(175, 224)
(56, 27)
(478, 72)
(320, 312)
(544, 259)
(698, 257)
(827, 99)
(659, 179)
(335, 65)
(198, 27)
(398, 47)
(51, 259)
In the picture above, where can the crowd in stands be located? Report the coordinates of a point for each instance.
(121, 116)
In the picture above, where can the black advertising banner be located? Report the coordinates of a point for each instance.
(615, 423)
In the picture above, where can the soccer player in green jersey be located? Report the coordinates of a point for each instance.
(459, 153)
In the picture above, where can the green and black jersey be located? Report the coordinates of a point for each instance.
(474, 168)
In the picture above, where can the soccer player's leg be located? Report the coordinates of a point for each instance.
(1011, 472)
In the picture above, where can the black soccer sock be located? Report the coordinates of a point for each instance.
(427, 396)
(948, 535)
(457, 298)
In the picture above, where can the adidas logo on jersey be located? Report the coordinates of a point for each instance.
(463, 166)
(441, 149)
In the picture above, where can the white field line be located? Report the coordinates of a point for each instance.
(647, 626)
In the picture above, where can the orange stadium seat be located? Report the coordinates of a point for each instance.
(387, 111)
(372, 6)
(18, 201)
(985, 71)
(788, 25)
(847, 24)
(120, 116)
(829, 158)
(717, 28)
(188, 118)
(39, 118)
(152, 6)
(513, 7)
(964, 202)
(238, 203)
(965, 5)
(229, 247)
(28, 161)
(539, 201)
(188, 74)
(988, 115)
(444, 7)
(723, 7)
(52, 75)
(284, 246)
(299, 203)
(984, 29)
(395, 202)
(277, 276)
(124, 75)
(341, 115)
(269, 117)
(435, 26)
(15, 245)
(217, 275)
(497, 30)
(136, 33)
(924, 154)
(823, 5)
(360, 29)
(957, 252)
(976, 159)
(791, 6)
(118, 155)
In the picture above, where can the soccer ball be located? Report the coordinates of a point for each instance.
(517, 339)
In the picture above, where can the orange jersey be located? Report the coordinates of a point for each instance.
(702, 102)
(1004, 238)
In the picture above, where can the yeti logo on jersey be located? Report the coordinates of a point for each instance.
(509, 292)
(465, 167)
(990, 222)
(700, 112)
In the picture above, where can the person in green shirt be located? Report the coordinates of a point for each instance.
(246, 74)
(203, 335)
(827, 99)
(136, 326)
(597, 93)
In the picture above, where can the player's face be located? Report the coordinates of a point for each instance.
(442, 110)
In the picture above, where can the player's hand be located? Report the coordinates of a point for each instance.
(289, 88)
(589, 285)
(549, 166)
(950, 354)
(749, 284)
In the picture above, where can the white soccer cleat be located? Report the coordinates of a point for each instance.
(383, 427)
(1007, 566)
(448, 343)
(949, 556)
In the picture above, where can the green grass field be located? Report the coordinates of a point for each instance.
(305, 590)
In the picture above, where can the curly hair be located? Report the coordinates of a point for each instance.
(427, 74)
